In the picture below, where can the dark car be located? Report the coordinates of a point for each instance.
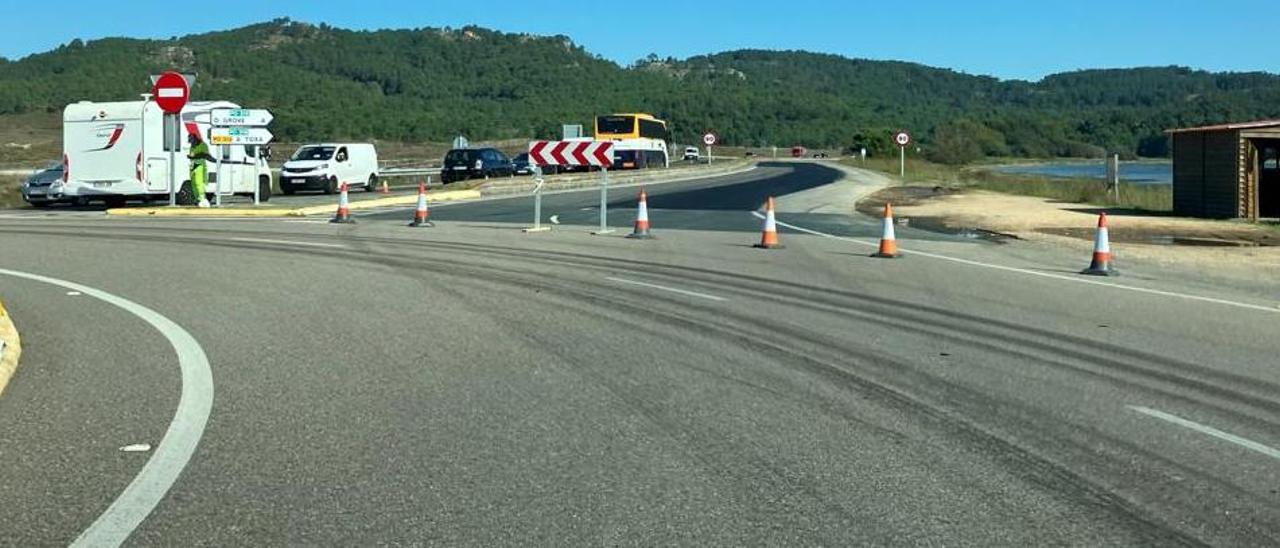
(520, 165)
(461, 164)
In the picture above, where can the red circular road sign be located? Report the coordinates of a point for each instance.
(710, 138)
(171, 92)
(902, 138)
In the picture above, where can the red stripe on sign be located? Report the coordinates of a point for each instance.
(535, 153)
(558, 153)
(577, 153)
(604, 153)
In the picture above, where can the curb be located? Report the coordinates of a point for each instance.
(618, 180)
(11, 350)
(190, 211)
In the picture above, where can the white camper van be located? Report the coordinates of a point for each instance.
(115, 152)
(327, 166)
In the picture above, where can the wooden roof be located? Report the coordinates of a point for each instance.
(1230, 127)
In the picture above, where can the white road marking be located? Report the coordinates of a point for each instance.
(74, 293)
(180, 440)
(136, 448)
(287, 242)
(1225, 436)
(665, 288)
(1079, 280)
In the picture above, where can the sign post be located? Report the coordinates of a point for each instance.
(171, 93)
(239, 126)
(709, 139)
(577, 153)
(902, 139)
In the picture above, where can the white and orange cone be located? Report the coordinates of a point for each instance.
(888, 242)
(769, 240)
(641, 230)
(385, 189)
(421, 213)
(344, 208)
(1101, 265)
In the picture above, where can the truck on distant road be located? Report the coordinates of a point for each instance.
(114, 152)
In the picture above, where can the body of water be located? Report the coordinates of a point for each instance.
(1154, 173)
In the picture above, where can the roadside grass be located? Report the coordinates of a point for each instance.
(11, 190)
(1140, 197)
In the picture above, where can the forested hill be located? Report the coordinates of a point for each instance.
(431, 84)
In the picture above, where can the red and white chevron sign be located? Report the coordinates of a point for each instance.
(571, 153)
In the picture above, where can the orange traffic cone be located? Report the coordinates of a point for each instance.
(888, 243)
(344, 208)
(385, 189)
(1101, 265)
(770, 238)
(420, 214)
(641, 230)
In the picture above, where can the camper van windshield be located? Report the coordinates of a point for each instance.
(313, 153)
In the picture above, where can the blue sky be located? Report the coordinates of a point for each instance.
(1025, 39)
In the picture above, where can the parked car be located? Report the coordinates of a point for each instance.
(326, 166)
(691, 154)
(520, 166)
(798, 151)
(44, 188)
(819, 155)
(461, 164)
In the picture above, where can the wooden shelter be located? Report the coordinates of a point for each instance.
(1227, 171)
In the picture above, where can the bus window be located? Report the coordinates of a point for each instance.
(615, 125)
(653, 129)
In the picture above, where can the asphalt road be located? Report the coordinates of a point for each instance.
(472, 384)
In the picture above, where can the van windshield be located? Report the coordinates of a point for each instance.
(313, 153)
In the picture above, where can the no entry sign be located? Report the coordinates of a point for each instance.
(171, 92)
(571, 153)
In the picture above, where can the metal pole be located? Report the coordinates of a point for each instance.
(709, 159)
(217, 195)
(537, 206)
(902, 168)
(604, 201)
(171, 120)
(257, 185)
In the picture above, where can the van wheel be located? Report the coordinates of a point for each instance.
(332, 186)
(185, 195)
(372, 185)
(264, 189)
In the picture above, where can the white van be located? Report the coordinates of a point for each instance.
(115, 151)
(327, 166)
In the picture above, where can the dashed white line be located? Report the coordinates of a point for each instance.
(1079, 280)
(287, 242)
(1209, 430)
(665, 288)
(180, 440)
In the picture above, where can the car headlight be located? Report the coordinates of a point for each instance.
(324, 166)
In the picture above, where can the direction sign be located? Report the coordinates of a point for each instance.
(902, 138)
(239, 136)
(709, 139)
(171, 92)
(571, 153)
(240, 117)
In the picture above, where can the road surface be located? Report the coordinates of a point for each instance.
(472, 384)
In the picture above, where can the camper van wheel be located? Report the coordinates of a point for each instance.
(332, 186)
(80, 201)
(264, 189)
(116, 201)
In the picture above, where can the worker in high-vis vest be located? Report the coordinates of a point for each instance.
(199, 157)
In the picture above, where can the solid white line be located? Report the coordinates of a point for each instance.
(1079, 280)
(287, 242)
(1225, 436)
(665, 288)
(181, 438)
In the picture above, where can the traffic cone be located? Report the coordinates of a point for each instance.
(770, 238)
(888, 243)
(420, 214)
(1101, 265)
(641, 230)
(385, 189)
(344, 208)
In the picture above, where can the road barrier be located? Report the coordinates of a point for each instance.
(641, 230)
(344, 208)
(421, 213)
(769, 240)
(888, 242)
(1101, 264)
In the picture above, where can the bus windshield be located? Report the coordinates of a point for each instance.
(313, 153)
(616, 124)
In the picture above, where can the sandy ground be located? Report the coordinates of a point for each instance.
(1229, 248)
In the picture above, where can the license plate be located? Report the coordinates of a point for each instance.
(101, 184)
(458, 168)
(34, 192)
(299, 181)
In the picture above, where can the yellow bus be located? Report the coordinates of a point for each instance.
(640, 139)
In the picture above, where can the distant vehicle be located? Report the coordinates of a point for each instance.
(819, 155)
(749, 154)
(114, 152)
(640, 140)
(44, 188)
(798, 151)
(520, 165)
(461, 164)
(691, 154)
(327, 166)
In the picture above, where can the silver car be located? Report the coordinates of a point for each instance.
(45, 187)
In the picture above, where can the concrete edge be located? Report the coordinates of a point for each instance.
(12, 347)
(619, 180)
(189, 211)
